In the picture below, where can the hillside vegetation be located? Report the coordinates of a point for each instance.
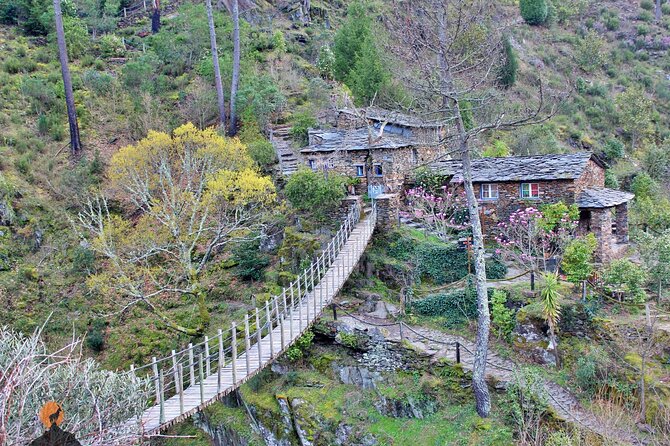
(605, 66)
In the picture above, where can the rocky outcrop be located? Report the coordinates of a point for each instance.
(406, 408)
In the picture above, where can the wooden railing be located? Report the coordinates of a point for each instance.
(189, 379)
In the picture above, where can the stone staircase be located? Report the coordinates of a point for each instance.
(289, 159)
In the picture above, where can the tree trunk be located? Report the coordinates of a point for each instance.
(658, 10)
(236, 67)
(215, 62)
(552, 337)
(480, 388)
(156, 17)
(75, 140)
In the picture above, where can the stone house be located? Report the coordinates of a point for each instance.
(379, 149)
(504, 185)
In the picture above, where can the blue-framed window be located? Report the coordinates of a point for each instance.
(360, 170)
(312, 164)
(530, 190)
(378, 171)
(488, 191)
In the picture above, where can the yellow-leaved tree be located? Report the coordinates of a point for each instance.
(185, 196)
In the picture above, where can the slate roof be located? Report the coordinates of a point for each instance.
(394, 117)
(332, 140)
(596, 197)
(519, 168)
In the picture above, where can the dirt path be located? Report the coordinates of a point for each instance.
(441, 345)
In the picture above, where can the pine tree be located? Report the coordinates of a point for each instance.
(349, 40)
(534, 12)
(368, 75)
(510, 65)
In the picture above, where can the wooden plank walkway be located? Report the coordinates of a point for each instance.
(197, 380)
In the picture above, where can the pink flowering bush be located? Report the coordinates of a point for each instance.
(528, 238)
(443, 212)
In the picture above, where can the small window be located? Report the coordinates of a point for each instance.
(489, 191)
(360, 171)
(378, 170)
(312, 164)
(530, 190)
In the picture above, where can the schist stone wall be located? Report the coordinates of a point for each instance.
(388, 208)
(553, 191)
(509, 200)
(395, 163)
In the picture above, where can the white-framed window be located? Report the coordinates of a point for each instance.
(489, 191)
(530, 190)
(378, 171)
(360, 170)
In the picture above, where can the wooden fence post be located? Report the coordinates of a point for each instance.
(233, 351)
(207, 361)
(161, 401)
(181, 389)
(280, 322)
(202, 378)
(259, 337)
(175, 371)
(290, 315)
(221, 363)
(269, 318)
(458, 352)
(247, 342)
(191, 365)
(154, 368)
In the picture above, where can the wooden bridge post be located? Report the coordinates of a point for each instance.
(299, 311)
(289, 314)
(207, 360)
(306, 301)
(269, 318)
(233, 351)
(180, 371)
(191, 365)
(202, 378)
(161, 400)
(154, 368)
(175, 371)
(299, 290)
(222, 361)
(280, 323)
(259, 337)
(133, 377)
(247, 343)
(144, 3)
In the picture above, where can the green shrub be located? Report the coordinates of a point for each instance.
(612, 22)
(647, 5)
(95, 338)
(261, 96)
(302, 122)
(250, 260)
(302, 344)
(614, 149)
(502, 317)
(534, 12)
(325, 62)
(314, 192)
(642, 30)
(646, 17)
(83, 260)
(111, 46)
(578, 258)
(13, 65)
(611, 179)
(458, 307)
(624, 276)
(99, 82)
(139, 72)
(590, 52)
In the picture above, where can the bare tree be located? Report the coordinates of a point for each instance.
(234, 7)
(215, 62)
(658, 10)
(236, 66)
(452, 51)
(75, 139)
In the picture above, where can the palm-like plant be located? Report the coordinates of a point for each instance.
(551, 307)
